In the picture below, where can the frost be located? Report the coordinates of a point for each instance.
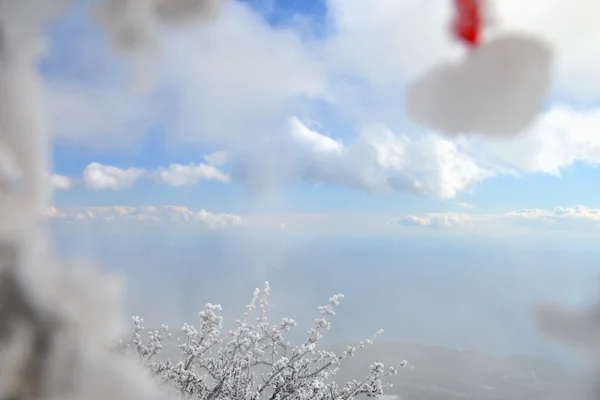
(252, 361)
(496, 90)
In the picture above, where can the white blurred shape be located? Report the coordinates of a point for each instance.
(497, 90)
(60, 182)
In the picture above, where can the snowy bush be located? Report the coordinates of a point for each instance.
(252, 361)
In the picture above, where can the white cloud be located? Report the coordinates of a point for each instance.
(315, 141)
(105, 177)
(191, 174)
(560, 138)
(380, 160)
(158, 216)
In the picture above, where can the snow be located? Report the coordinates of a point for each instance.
(497, 90)
(56, 319)
(254, 360)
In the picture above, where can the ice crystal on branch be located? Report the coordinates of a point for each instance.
(253, 361)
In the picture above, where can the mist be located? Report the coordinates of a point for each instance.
(458, 292)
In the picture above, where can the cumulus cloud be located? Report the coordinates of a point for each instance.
(105, 177)
(496, 90)
(378, 160)
(381, 160)
(313, 140)
(155, 216)
(562, 137)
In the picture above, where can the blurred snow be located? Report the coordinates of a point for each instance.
(497, 90)
(578, 328)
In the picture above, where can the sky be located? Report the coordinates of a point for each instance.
(283, 107)
(286, 119)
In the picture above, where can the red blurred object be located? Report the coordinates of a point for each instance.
(468, 23)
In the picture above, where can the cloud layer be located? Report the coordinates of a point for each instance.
(559, 220)
(578, 218)
(152, 216)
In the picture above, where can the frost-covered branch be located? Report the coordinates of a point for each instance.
(253, 361)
